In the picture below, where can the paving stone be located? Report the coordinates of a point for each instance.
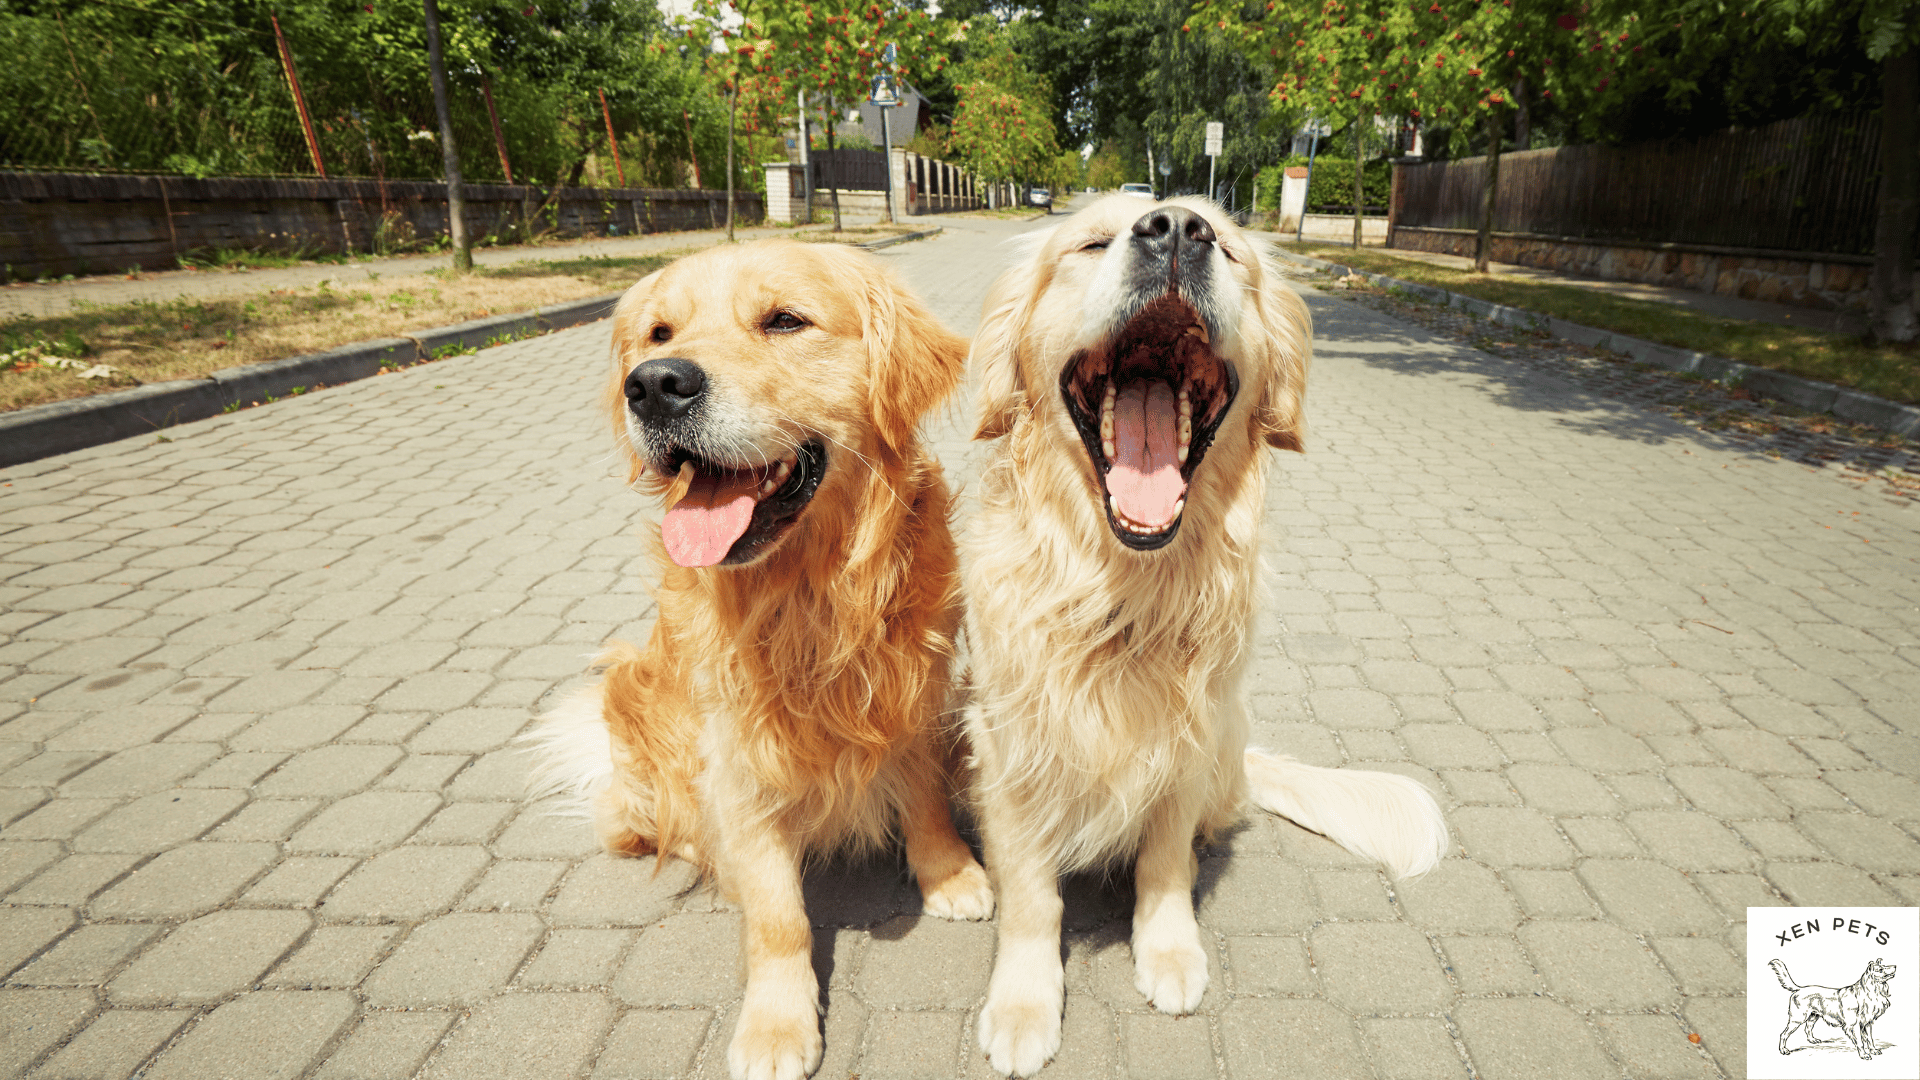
(387, 1046)
(159, 821)
(1654, 1046)
(1503, 837)
(1694, 840)
(1379, 968)
(574, 959)
(142, 770)
(26, 931)
(1726, 793)
(1321, 1042)
(1597, 966)
(607, 890)
(459, 959)
(1549, 894)
(299, 882)
(1458, 895)
(469, 731)
(122, 728)
(1253, 895)
(647, 1045)
(1561, 790)
(921, 963)
(188, 880)
(329, 771)
(240, 770)
(209, 958)
(1647, 896)
(114, 1045)
(1826, 883)
(1515, 1038)
(1270, 965)
(1490, 965)
(1443, 746)
(1352, 894)
(501, 774)
(1701, 965)
(464, 823)
(333, 957)
(267, 819)
(1879, 793)
(33, 1021)
(424, 772)
(526, 1037)
(88, 956)
(365, 823)
(1722, 1025)
(73, 879)
(270, 1034)
(512, 884)
(1160, 1047)
(1868, 843)
(684, 960)
(408, 883)
(296, 728)
(912, 1045)
(538, 834)
(1411, 1048)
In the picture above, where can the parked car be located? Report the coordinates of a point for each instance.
(1040, 197)
(1144, 191)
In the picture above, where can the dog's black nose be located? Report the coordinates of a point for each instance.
(1166, 226)
(664, 389)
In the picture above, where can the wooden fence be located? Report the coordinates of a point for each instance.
(849, 170)
(1803, 185)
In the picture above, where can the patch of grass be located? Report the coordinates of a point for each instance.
(155, 341)
(1887, 370)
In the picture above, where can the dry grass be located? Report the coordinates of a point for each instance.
(1887, 370)
(179, 339)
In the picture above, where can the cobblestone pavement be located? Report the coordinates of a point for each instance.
(259, 817)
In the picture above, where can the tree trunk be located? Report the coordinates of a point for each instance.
(1495, 136)
(1894, 242)
(1359, 183)
(1522, 116)
(733, 97)
(833, 188)
(449, 154)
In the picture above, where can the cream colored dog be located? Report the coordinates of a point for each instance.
(1136, 367)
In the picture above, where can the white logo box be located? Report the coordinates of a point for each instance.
(1840, 959)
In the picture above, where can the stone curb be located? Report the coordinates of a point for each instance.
(876, 245)
(64, 426)
(1810, 394)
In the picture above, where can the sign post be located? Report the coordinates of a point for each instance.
(886, 95)
(1216, 131)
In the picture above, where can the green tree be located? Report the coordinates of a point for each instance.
(1002, 126)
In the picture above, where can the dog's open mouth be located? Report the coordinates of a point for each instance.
(1147, 405)
(725, 516)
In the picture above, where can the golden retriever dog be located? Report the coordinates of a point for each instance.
(1136, 366)
(787, 704)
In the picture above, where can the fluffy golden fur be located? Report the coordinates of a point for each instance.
(1106, 721)
(787, 706)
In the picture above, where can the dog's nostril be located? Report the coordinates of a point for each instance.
(664, 388)
(1199, 231)
(1153, 225)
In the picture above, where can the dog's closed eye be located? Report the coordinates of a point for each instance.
(1098, 243)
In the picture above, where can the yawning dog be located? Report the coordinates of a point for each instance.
(1136, 368)
(786, 704)
(1852, 1009)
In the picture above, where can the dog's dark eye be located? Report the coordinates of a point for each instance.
(662, 333)
(784, 322)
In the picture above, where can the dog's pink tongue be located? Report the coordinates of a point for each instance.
(702, 526)
(1145, 479)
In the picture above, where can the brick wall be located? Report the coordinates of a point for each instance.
(73, 223)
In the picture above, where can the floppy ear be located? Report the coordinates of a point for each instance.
(628, 330)
(1280, 411)
(915, 363)
(995, 356)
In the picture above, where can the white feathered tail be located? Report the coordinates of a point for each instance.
(1383, 816)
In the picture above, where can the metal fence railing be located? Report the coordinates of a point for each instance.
(849, 170)
(1802, 185)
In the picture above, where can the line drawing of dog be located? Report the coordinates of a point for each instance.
(1852, 1009)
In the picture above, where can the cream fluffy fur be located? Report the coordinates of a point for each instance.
(1107, 721)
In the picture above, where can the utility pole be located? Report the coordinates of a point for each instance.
(1215, 134)
(449, 154)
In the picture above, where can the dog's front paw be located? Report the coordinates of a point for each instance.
(1171, 975)
(1020, 1032)
(964, 894)
(775, 1044)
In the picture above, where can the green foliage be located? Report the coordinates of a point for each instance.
(1107, 169)
(1003, 128)
(1332, 182)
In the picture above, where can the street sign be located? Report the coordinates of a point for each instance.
(884, 94)
(1216, 131)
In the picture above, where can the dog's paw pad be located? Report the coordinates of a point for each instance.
(1172, 979)
(774, 1048)
(966, 894)
(1021, 1035)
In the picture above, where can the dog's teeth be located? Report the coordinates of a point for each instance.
(1177, 507)
(1106, 445)
(1199, 330)
(1186, 430)
(1181, 453)
(1114, 505)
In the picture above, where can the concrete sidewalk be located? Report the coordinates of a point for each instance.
(56, 298)
(1724, 307)
(260, 815)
